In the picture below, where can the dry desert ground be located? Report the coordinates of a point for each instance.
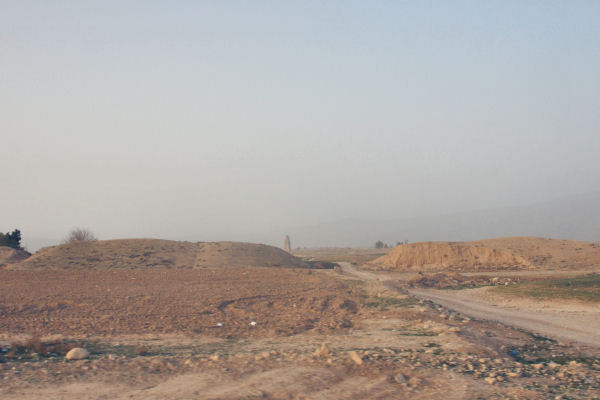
(510, 318)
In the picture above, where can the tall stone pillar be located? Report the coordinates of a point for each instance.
(287, 246)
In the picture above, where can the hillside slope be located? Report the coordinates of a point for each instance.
(9, 255)
(447, 256)
(553, 253)
(148, 253)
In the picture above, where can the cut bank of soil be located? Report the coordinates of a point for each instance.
(9, 255)
(446, 256)
(553, 253)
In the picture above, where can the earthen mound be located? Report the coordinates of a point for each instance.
(238, 254)
(149, 253)
(8, 255)
(447, 256)
(542, 252)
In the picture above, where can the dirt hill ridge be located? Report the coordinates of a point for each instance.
(447, 256)
(544, 252)
(148, 253)
(8, 255)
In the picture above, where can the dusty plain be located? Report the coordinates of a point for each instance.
(274, 331)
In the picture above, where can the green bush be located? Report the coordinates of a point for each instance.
(11, 239)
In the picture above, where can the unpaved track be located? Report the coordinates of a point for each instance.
(580, 327)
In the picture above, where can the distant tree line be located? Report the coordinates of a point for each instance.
(380, 245)
(11, 239)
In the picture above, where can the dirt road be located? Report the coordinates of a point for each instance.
(574, 324)
(577, 325)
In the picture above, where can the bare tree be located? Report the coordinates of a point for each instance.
(80, 235)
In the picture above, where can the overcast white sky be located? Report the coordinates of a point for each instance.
(181, 119)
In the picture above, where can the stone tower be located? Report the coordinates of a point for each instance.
(287, 246)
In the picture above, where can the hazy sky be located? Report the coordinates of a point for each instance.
(183, 119)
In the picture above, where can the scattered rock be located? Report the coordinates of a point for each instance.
(399, 378)
(491, 380)
(355, 357)
(78, 353)
(323, 351)
(263, 356)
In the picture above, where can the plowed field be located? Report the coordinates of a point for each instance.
(217, 302)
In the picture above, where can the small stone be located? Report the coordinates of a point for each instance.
(399, 378)
(214, 357)
(355, 357)
(490, 380)
(323, 351)
(78, 353)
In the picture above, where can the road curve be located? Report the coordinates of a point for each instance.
(575, 327)
(579, 327)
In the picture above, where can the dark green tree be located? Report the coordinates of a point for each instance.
(11, 239)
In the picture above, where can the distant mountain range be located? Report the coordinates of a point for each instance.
(574, 217)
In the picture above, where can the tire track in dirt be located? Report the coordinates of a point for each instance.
(559, 325)
(581, 327)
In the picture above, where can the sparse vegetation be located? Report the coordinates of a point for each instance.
(80, 235)
(35, 346)
(383, 303)
(582, 288)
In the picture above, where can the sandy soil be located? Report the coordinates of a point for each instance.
(578, 323)
(117, 302)
(155, 334)
(339, 254)
(9, 255)
(447, 256)
(502, 254)
(549, 253)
